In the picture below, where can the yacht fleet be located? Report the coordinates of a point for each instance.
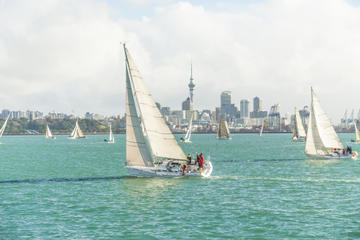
(152, 149)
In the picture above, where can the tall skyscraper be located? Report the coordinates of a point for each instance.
(244, 108)
(191, 86)
(225, 98)
(257, 104)
(225, 104)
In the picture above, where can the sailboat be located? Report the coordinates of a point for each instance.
(48, 133)
(357, 139)
(223, 130)
(76, 133)
(111, 136)
(322, 140)
(262, 128)
(2, 129)
(299, 134)
(151, 148)
(186, 139)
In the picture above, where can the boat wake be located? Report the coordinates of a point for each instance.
(45, 180)
(263, 160)
(282, 179)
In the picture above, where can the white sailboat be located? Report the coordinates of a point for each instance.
(151, 148)
(223, 130)
(2, 129)
(187, 137)
(322, 140)
(111, 136)
(262, 128)
(299, 134)
(48, 133)
(357, 139)
(76, 133)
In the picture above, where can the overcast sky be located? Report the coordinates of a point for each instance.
(65, 55)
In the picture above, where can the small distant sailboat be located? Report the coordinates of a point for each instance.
(187, 137)
(151, 148)
(322, 140)
(76, 133)
(262, 128)
(48, 133)
(111, 136)
(223, 130)
(299, 134)
(2, 129)
(357, 139)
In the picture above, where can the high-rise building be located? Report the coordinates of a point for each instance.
(187, 104)
(225, 104)
(244, 108)
(257, 104)
(257, 109)
(225, 98)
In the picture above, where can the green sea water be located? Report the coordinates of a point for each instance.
(261, 188)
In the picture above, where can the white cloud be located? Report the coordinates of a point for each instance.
(66, 55)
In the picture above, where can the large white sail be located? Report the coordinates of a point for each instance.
(79, 132)
(299, 128)
(356, 132)
(48, 133)
(321, 135)
(148, 138)
(2, 129)
(76, 133)
(188, 133)
(262, 128)
(111, 136)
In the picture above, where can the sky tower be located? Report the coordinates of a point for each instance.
(191, 86)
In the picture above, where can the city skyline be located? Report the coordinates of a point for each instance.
(66, 55)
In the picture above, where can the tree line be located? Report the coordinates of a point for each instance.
(60, 126)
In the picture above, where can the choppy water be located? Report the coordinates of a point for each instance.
(261, 187)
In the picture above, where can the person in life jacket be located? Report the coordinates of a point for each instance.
(201, 160)
(189, 158)
(197, 159)
(184, 169)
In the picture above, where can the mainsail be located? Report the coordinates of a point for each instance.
(356, 133)
(298, 130)
(321, 136)
(223, 130)
(148, 137)
(48, 133)
(262, 128)
(2, 129)
(188, 133)
(76, 133)
(111, 136)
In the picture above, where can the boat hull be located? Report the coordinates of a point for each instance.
(137, 171)
(339, 156)
(298, 139)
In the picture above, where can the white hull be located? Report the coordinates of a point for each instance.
(164, 172)
(76, 137)
(298, 139)
(340, 156)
